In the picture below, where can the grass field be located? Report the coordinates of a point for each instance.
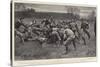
(33, 50)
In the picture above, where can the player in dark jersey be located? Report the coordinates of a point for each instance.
(19, 23)
(19, 33)
(46, 25)
(85, 27)
(45, 22)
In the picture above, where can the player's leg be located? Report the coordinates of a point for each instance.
(87, 33)
(84, 40)
(73, 41)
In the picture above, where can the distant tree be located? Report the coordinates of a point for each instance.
(73, 12)
(20, 7)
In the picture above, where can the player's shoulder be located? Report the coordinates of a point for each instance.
(67, 29)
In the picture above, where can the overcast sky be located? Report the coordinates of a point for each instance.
(51, 8)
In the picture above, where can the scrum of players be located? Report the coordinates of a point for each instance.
(63, 33)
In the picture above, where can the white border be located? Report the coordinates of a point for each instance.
(49, 61)
(54, 61)
(53, 3)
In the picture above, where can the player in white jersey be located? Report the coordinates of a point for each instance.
(69, 37)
